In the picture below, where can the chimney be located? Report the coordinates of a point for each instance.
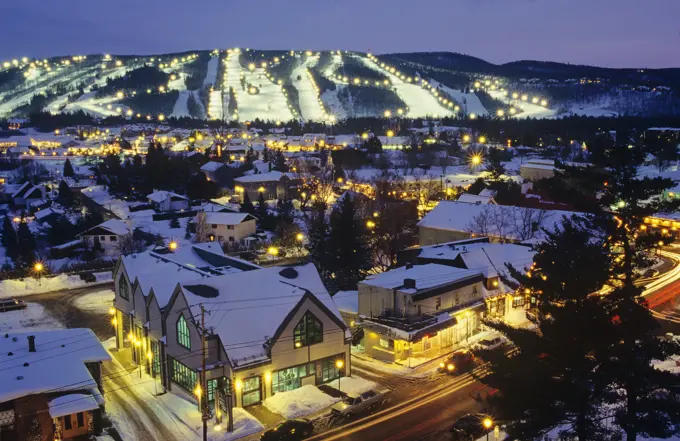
(409, 265)
(31, 343)
(410, 283)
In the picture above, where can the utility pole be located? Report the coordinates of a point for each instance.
(204, 388)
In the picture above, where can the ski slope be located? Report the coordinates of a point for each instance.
(181, 108)
(529, 110)
(215, 107)
(469, 102)
(211, 75)
(330, 97)
(270, 103)
(421, 103)
(309, 99)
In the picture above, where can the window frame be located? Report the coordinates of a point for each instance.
(304, 335)
(123, 287)
(187, 336)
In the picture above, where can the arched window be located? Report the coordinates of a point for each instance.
(123, 288)
(183, 336)
(309, 331)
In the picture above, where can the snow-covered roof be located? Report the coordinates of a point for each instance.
(347, 301)
(264, 297)
(211, 166)
(272, 176)
(425, 277)
(71, 403)
(161, 195)
(113, 226)
(458, 216)
(219, 218)
(57, 365)
(25, 188)
(42, 214)
(475, 199)
(490, 258)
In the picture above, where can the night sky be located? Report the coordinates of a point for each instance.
(613, 33)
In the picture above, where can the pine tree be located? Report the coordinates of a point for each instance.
(266, 155)
(351, 259)
(319, 248)
(9, 238)
(187, 231)
(552, 381)
(280, 162)
(68, 169)
(250, 156)
(262, 211)
(247, 206)
(26, 244)
(61, 230)
(65, 196)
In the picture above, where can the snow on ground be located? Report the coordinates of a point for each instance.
(181, 105)
(469, 102)
(211, 74)
(421, 103)
(34, 316)
(172, 410)
(29, 285)
(215, 105)
(382, 366)
(97, 302)
(309, 99)
(330, 97)
(299, 402)
(529, 110)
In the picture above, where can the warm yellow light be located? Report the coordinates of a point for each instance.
(268, 377)
(390, 133)
(261, 189)
(500, 113)
(273, 251)
(173, 245)
(473, 116)
(298, 344)
(364, 135)
(198, 391)
(476, 159)
(138, 343)
(112, 311)
(300, 237)
(370, 224)
(340, 180)
(376, 214)
(114, 322)
(217, 428)
(149, 355)
(482, 139)
(251, 67)
(387, 113)
(238, 384)
(131, 336)
(487, 423)
(38, 266)
(161, 117)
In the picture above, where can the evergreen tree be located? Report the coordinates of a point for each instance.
(280, 162)
(266, 155)
(9, 238)
(26, 245)
(320, 251)
(250, 156)
(553, 379)
(68, 169)
(262, 211)
(495, 169)
(247, 206)
(187, 231)
(65, 196)
(323, 157)
(351, 258)
(61, 230)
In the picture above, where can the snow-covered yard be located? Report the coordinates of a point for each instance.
(34, 316)
(299, 402)
(29, 285)
(97, 302)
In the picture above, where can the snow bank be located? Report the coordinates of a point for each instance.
(34, 316)
(97, 302)
(29, 285)
(299, 402)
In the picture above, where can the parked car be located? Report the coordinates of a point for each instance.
(458, 363)
(354, 403)
(470, 427)
(290, 430)
(489, 343)
(11, 304)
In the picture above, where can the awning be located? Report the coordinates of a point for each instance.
(72, 403)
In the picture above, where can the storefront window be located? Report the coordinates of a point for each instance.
(252, 391)
(329, 371)
(183, 376)
(291, 378)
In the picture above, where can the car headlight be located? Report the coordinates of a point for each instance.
(450, 367)
(441, 365)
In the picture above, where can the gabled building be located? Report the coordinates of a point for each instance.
(168, 201)
(273, 185)
(108, 236)
(211, 169)
(228, 227)
(51, 384)
(27, 193)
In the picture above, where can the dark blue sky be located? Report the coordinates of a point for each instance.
(616, 33)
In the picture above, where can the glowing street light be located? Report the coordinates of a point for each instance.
(273, 251)
(482, 139)
(387, 113)
(390, 133)
(173, 245)
(476, 160)
(500, 113)
(338, 365)
(300, 237)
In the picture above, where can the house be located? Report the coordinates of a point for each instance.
(394, 142)
(26, 193)
(280, 331)
(211, 169)
(47, 215)
(228, 227)
(476, 199)
(536, 169)
(51, 391)
(108, 236)
(453, 220)
(420, 311)
(273, 185)
(163, 200)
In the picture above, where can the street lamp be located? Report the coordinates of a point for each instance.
(487, 423)
(339, 364)
(173, 245)
(300, 237)
(38, 268)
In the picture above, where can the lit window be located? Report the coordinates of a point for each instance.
(183, 336)
(309, 331)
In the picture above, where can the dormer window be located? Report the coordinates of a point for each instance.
(309, 331)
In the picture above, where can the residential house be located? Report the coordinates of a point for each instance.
(211, 169)
(420, 311)
(26, 193)
(476, 199)
(394, 142)
(536, 169)
(163, 200)
(228, 227)
(453, 220)
(47, 215)
(108, 236)
(273, 185)
(53, 388)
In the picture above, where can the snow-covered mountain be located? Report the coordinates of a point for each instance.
(247, 84)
